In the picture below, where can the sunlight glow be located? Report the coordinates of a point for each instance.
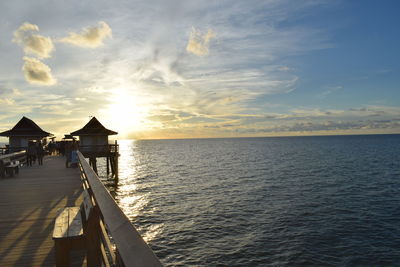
(130, 193)
(125, 114)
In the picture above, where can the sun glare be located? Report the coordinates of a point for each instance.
(124, 113)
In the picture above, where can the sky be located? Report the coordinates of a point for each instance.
(198, 69)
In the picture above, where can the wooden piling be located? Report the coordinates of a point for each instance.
(108, 166)
(116, 161)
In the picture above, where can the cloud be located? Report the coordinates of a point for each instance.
(329, 91)
(6, 101)
(36, 44)
(158, 70)
(198, 43)
(91, 37)
(7, 95)
(36, 72)
(339, 125)
(16, 92)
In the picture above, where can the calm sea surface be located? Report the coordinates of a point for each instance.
(296, 201)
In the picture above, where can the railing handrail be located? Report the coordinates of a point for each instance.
(13, 155)
(131, 247)
(98, 145)
(113, 148)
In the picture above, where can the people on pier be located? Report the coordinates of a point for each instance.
(61, 148)
(39, 152)
(74, 154)
(52, 148)
(67, 151)
(31, 153)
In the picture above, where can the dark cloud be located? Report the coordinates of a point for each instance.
(36, 72)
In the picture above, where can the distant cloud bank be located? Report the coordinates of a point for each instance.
(90, 37)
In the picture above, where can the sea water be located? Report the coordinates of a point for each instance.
(287, 201)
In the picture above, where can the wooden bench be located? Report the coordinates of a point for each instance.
(72, 230)
(9, 167)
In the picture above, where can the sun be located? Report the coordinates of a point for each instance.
(124, 113)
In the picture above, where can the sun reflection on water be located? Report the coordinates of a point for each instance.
(130, 194)
(152, 232)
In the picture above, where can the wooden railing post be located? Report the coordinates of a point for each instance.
(93, 238)
(62, 254)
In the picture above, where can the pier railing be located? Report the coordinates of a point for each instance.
(113, 148)
(7, 159)
(127, 247)
(109, 150)
(8, 150)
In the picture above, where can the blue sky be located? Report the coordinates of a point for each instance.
(179, 69)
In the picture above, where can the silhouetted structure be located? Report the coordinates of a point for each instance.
(24, 131)
(93, 143)
(68, 137)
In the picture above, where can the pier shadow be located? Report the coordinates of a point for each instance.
(26, 239)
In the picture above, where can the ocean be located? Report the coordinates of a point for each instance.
(284, 201)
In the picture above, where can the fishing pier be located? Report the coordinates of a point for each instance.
(51, 215)
(30, 202)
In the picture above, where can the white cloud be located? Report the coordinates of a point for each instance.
(158, 70)
(36, 72)
(91, 37)
(6, 101)
(199, 43)
(16, 91)
(35, 44)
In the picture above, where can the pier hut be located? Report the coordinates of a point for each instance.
(24, 131)
(94, 143)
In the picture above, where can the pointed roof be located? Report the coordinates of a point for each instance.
(26, 127)
(93, 127)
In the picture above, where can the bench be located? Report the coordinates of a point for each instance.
(9, 167)
(72, 230)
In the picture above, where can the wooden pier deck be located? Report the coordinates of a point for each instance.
(28, 206)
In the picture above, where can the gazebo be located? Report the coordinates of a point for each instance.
(93, 143)
(23, 132)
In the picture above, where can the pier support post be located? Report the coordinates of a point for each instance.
(116, 168)
(112, 165)
(108, 165)
(93, 163)
(116, 161)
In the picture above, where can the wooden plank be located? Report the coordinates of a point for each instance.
(132, 248)
(61, 225)
(75, 229)
(28, 208)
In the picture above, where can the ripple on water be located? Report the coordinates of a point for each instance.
(301, 201)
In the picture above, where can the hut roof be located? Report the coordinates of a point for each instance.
(93, 127)
(26, 127)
